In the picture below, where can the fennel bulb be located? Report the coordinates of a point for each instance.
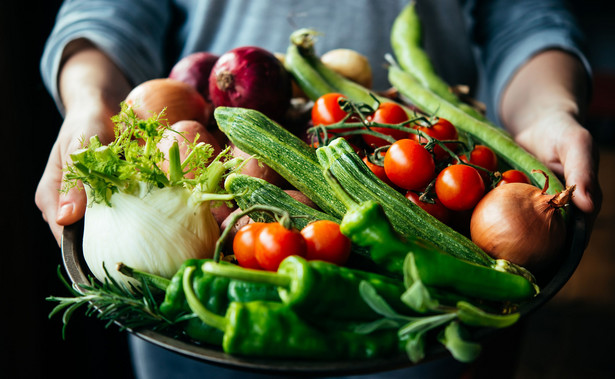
(137, 213)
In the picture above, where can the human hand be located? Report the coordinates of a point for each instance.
(61, 209)
(567, 148)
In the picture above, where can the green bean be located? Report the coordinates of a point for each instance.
(487, 134)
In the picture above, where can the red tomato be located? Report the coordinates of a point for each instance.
(387, 113)
(325, 242)
(482, 156)
(459, 187)
(441, 130)
(327, 110)
(275, 242)
(408, 165)
(378, 171)
(243, 244)
(513, 176)
(437, 209)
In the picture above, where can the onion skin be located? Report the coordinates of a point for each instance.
(251, 77)
(520, 223)
(181, 100)
(194, 69)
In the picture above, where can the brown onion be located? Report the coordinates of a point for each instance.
(522, 224)
(180, 101)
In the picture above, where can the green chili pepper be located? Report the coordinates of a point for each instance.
(215, 293)
(320, 288)
(272, 329)
(366, 225)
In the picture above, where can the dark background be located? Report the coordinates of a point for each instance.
(32, 345)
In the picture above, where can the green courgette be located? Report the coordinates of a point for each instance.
(250, 191)
(256, 134)
(407, 218)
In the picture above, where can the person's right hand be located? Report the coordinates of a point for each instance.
(92, 88)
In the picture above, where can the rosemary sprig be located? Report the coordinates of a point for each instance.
(130, 308)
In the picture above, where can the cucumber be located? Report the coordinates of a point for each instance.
(289, 156)
(407, 218)
(251, 191)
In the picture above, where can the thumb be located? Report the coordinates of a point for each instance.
(71, 206)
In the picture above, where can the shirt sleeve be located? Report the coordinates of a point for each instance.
(508, 33)
(131, 33)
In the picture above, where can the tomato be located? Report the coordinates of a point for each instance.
(378, 171)
(441, 129)
(387, 113)
(243, 244)
(482, 156)
(513, 176)
(325, 242)
(409, 165)
(275, 242)
(437, 209)
(459, 187)
(327, 110)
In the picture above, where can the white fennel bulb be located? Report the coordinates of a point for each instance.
(140, 215)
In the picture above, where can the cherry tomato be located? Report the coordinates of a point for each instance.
(459, 187)
(409, 165)
(484, 157)
(437, 209)
(513, 176)
(387, 113)
(275, 242)
(243, 244)
(327, 110)
(378, 171)
(442, 130)
(325, 242)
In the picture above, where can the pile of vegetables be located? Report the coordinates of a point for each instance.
(385, 225)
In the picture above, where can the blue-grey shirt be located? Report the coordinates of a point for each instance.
(476, 42)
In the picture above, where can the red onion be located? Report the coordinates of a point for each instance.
(251, 77)
(520, 223)
(194, 69)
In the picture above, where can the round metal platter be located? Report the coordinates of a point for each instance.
(550, 284)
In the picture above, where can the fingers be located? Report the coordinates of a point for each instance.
(46, 196)
(580, 162)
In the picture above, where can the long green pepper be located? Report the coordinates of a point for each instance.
(318, 288)
(367, 225)
(214, 292)
(272, 329)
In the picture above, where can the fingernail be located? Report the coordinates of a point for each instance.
(65, 211)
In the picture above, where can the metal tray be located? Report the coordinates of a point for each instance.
(550, 283)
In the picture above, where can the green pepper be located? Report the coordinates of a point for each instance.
(215, 293)
(366, 225)
(320, 288)
(273, 329)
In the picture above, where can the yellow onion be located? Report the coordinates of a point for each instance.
(521, 223)
(180, 101)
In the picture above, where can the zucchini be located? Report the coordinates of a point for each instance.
(289, 156)
(489, 135)
(407, 218)
(251, 191)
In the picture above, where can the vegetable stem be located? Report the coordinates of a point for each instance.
(248, 275)
(205, 315)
